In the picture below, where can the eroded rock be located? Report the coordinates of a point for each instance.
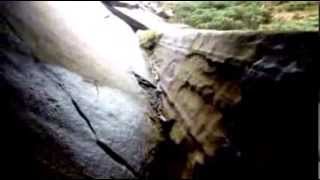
(208, 76)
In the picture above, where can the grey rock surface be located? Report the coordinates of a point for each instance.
(70, 119)
(61, 124)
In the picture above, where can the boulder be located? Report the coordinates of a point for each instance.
(239, 97)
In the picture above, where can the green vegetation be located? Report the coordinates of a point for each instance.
(308, 24)
(148, 38)
(297, 5)
(248, 15)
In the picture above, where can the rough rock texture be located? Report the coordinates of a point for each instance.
(229, 104)
(58, 125)
(239, 98)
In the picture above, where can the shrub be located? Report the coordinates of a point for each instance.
(249, 15)
(297, 5)
(309, 24)
(222, 15)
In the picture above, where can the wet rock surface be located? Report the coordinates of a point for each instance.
(83, 48)
(222, 104)
(68, 128)
(63, 126)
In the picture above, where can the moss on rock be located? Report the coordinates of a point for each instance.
(148, 38)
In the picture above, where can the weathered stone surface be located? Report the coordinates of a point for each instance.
(207, 76)
(59, 125)
(231, 101)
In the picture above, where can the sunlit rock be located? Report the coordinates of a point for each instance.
(71, 104)
(83, 37)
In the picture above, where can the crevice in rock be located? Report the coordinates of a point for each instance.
(170, 158)
(103, 145)
(116, 157)
(83, 116)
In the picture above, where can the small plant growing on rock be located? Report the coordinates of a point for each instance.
(148, 38)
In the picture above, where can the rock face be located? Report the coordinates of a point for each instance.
(56, 123)
(229, 104)
(238, 97)
(77, 36)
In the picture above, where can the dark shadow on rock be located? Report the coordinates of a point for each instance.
(272, 130)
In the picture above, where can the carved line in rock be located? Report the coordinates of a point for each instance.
(116, 157)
